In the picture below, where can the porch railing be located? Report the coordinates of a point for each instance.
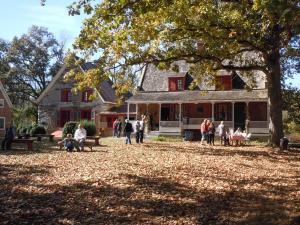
(169, 123)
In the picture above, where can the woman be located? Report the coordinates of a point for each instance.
(211, 134)
(202, 128)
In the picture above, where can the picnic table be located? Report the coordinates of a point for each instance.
(27, 141)
(237, 138)
(39, 136)
(95, 138)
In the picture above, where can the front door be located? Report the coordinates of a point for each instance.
(239, 115)
(64, 117)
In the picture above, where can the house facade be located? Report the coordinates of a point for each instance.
(58, 104)
(5, 110)
(172, 107)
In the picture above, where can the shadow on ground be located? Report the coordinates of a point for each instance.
(139, 200)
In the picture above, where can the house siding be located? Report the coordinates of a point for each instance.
(5, 112)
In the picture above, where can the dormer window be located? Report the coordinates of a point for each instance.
(65, 95)
(176, 84)
(86, 95)
(223, 83)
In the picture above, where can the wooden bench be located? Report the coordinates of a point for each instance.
(95, 138)
(294, 145)
(28, 142)
(87, 144)
(39, 137)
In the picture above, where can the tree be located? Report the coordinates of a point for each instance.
(243, 35)
(33, 60)
(291, 104)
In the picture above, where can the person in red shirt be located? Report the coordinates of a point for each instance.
(115, 127)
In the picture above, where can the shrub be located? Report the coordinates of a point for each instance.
(90, 127)
(37, 129)
(69, 128)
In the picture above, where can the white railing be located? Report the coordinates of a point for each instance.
(169, 124)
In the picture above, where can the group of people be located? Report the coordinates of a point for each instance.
(139, 129)
(208, 132)
(77, 142)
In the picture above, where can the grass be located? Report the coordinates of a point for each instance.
(151, 183)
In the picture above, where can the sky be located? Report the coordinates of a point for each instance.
(17, 16)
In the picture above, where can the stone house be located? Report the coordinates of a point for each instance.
(58, 104)
(173, 107)
(5, 110)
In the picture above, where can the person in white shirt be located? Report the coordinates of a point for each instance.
(80, 136)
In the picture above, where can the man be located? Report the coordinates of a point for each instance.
(80, 136)
(119, 128)
(127, 131)
(8, 138)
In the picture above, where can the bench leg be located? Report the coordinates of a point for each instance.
(29, 146)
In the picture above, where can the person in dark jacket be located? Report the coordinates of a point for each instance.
(8, 138)
(211, 134)
(127, 131)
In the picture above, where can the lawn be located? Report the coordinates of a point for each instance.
(152, 183)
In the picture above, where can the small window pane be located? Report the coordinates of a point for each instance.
(2, 121)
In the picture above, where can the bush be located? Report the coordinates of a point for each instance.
(69, 128)
(89, 126)
(37, 129)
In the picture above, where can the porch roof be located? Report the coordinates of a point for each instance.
(198, 96)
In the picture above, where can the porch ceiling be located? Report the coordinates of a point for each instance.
(198, 96)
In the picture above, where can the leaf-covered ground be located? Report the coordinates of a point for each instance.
(152, 183)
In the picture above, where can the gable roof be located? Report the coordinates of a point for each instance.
(105, 91)
(154, 79)
(7, 99)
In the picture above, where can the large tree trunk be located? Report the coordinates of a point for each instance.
(275, 98)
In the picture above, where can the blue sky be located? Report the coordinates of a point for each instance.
(16, 16)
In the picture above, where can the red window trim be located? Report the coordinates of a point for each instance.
(65, 95)
(173, 83)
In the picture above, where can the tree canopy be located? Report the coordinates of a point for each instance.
(30, 62)
(244, 35)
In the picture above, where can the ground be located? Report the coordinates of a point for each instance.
(152, 183)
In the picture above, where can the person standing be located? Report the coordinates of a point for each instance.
(211, 134)
(247, 125)
(142, 130)
(202, 128)
(222, 132)
(137, 132)
(9, 136)
(127, 131)
(115, 127)
(80, 136)
(119, 128)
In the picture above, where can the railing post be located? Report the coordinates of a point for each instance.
(159, 116)
(233, 115)
(213, 111)
(128, 106)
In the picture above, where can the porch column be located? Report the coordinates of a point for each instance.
(128, 105)
(147, 110)
(233, 115)
(159, 115)
(180, 112)
(213, 111)
(136, 111)
(247, 110)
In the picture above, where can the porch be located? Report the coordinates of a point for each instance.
(173, 118)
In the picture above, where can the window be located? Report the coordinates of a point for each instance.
(2, 123)
(86, 95)
(180, 85)
(65, 95)
(258, 111)
(1, 103)
(223, 83)
(86, 114)
(77, 115)
(223, 111)
(176, 84)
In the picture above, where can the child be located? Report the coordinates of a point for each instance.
(226, 138)
(68, 142)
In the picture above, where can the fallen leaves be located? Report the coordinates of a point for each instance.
(152, 183)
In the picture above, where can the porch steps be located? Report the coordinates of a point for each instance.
(154, 134)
